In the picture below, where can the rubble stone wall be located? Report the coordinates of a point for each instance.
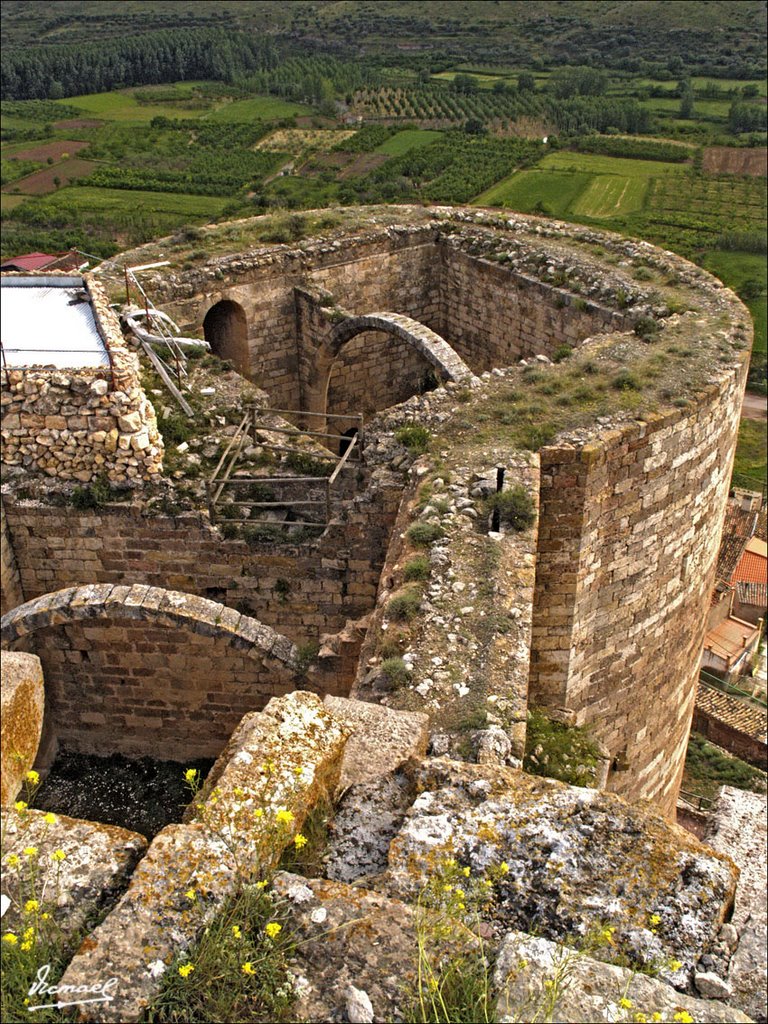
(626, 561)
(80, 424)
(11, 593)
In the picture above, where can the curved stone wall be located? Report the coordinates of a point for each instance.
(635, 429)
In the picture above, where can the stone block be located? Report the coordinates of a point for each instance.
(381, 738)
(541, 980)
(22, 704)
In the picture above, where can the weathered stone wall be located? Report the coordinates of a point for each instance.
(303, 590)
(11, 593)
(626, 564)
(79, 424)
(494, 316)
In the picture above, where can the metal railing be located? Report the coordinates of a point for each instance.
(254, 426)
(715, 683)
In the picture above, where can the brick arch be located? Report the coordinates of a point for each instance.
(428, 344)
(154, 606)
(147, 672)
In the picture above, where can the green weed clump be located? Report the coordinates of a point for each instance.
(416, 569)
(396, 671)
(424, 534)
(515, 507)
(558, 751)
(415, 439)
(95, 495)
(707, 768)
(404, 607)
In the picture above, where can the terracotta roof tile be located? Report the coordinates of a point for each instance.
(732, 711)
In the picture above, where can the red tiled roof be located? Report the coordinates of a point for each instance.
(43, 260)
(753, 564)
(738, 526)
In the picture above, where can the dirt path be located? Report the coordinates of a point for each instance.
(754, 407)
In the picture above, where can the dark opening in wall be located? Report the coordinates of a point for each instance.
(226, 330)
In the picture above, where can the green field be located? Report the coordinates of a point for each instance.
(549, 192)
(257, 108)
(87, 200)
(733, 269)
(123, 106)
(403, 142)
(8, 202)
(590, 163)
(749, 467)
(715, 109)
(611, 195)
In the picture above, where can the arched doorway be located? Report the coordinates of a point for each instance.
(226, 331)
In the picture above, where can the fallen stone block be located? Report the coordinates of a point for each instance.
(541, 980)
(276, 765)
(79, 867)
(739, 830)
(21, 719)
(565, 860)
(381, 738)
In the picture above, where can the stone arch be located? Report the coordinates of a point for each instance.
(427, 343)
(152, 605)
(225, 328)
(362, 376)
(142, 671)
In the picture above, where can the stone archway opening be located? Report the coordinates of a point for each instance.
(225, 328)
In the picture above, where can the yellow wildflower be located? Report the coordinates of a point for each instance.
(503, 868)
(549, 983)
(20, 806)
(522, 964)
(258, 813)
(261, 885)
(247, 968)
(12, 860)
(625, 1004)
(32, 777)
(284, 817)
(191, 895)
(10, 938)
(30, 851)
(656, 1016)
(58, 855)
(465, 872)
(186, 969)
(683, 1017)
(190, 776)
(447, 888)
(273, 929)
(674, 965)
(298, 770)
(299, 840)
(640, 1018)
(45, 917)
(461, 906)
(49, 818)
(29, 933)
(236, 931)
(239, 792)
(31, 906)
(26, 946)
(654, 919)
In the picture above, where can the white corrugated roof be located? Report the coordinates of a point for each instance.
(49, 322)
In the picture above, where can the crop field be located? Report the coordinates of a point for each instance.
(297, 140)
(9, 202)
(611, 195)
(531, 191)
(590, 163)
(714, 109)
(405, 141)
(257, 108)
(58, 150)
(123, 106)
(736, 160)
(48, 180)
(85, 200)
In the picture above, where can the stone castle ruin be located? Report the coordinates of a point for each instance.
(543, 419)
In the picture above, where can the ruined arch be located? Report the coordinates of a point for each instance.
(225, 328)
(362, 377)
(139, 670)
